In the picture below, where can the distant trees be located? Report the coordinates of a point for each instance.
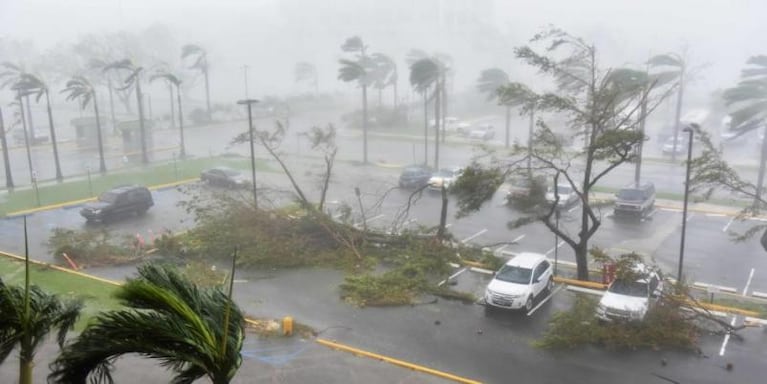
(430, 73)
(80, 88)
(489, 82)
(305, 71)
(199, 58)
(359, 70)
(385, 75)
(674, 68)
(174, 81)
(133, 80)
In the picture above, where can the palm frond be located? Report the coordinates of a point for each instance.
(490, 80)
(353, 44)
(424, 73)
(351, 71)
(669, 59)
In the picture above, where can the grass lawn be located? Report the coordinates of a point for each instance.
(96, 295)
(150, 175)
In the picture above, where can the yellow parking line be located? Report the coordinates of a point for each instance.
(394, 361)
(62, 269)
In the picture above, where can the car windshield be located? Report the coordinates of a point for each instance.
(629, 288)
(412, 170)
(230, 172)
(108, 197)
(630, 194)
(514, 274)
(445, 173)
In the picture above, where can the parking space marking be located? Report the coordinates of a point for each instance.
(466, 240)
(500, 249)
(748, 282)
(649, 215)
(572, 209)
(520, 237)
(671, 209)
(561, 243)
(729, 223)
(715, 215)
(374, 218)
(556, 290)
(726, 338)
(453, 276)
(690, 216)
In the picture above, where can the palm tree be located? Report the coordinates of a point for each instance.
(490, 80)
(10, 76)
(133, 80)
(29, 315)
(359, 71)
(385, 74)
(517, 94)
(200, 62)
(99, 65)
(428, 73)
(749, 103)
(80, 88)
(6, 160)
(173, 80)
(305, 71)
(678, 71)
(413, 56)
(195, 332)
(30, 84)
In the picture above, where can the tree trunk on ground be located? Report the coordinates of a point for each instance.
(508, 125)
(6, 161)
(365, 124)
(59, 176)
(102, 164)
(760, 178)
(678, 115)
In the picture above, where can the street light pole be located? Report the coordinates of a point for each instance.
(249, 103)
(690, 129)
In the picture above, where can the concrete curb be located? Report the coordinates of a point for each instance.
(404, 364)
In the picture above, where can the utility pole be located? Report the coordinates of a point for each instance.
(245, 73)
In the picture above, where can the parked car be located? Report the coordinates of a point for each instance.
(519, 282)
(630, 299)
(445, 177)
(414, 176)
(39, 137)
(225, 177)
(635, 200)
(567, 195)
(118, 202)
(523, 186)
(482, 132)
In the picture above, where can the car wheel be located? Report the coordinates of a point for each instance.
(529, 304)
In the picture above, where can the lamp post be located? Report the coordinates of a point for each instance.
(690, 129)
(249, 103)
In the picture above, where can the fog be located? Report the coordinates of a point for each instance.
(270, 36)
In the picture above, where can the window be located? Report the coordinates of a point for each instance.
(540, 269)
(514, 274)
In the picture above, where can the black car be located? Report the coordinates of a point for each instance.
(118, 202)
(635, 200)
(414, 176)
(224, 176)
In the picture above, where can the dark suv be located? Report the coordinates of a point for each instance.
(120, 201)
(414, 176)
(635, 200)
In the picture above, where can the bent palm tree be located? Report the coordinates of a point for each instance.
(30, 84)
(357, 71)
(413, 56)
(200, 62)
(518, 94)
(29, 314)
(678, 71)
(749, 102)
(428, 73)
(490, 80)
(173, 80)
(193, 331)
(385, 70)
(80, 88)
(133, 81)
(11, 75)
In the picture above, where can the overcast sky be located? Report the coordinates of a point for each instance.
(720, 33)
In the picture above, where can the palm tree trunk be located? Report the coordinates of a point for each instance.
(207, 94)
(6, 160)
(142, 129)
(172, 109)
(29, 120)
(59, 176)
(26, 139)
(425, 127)
(180, 121)
(112, 105)
(380, 97)
(638, 167)
(364, 124)
(437, 121)
(678, 115)
(394, 86)
(25, 370)
(508, 124)
(102, 164)
(444, 107)
(760, 178)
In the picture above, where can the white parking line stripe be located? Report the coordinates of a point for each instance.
(690, 216)
(726, 227)
(651, 214)
(715, 215)
(500, 249)
(481, 270)
(726, 338)
(547, 298)
(460, 271)
(561, 242)
(473, 236)
(748, 282)
(374, 218)
(671, 210)
(572, 209)
(520, 237)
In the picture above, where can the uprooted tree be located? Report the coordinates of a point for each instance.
(602, 107)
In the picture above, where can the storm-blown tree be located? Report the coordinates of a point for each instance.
(6, 159)
(679, 72)
(174, 81)
(384, 75)
(193, 331)
(133, 80)
(489, 82)
(430, 73)
(80, 88)
(200, 62)
(601, 106)
(413, 56)
(358, 70)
